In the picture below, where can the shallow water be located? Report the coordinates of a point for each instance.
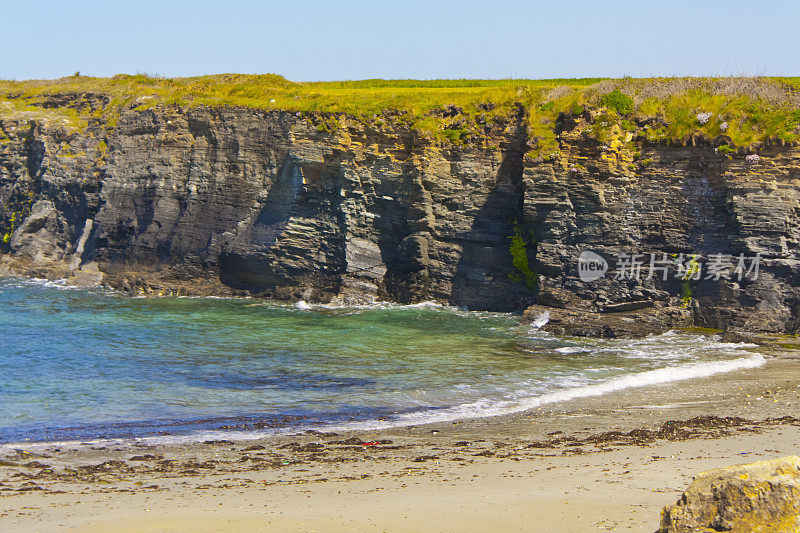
(77, 364)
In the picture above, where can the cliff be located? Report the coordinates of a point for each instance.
(483, 205)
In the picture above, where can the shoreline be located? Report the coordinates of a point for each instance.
(276, 426)
(609, 462)
(626, 383)
(623, 320)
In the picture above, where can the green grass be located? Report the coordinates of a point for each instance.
(353, 97)
(619, 102)
(744, 110)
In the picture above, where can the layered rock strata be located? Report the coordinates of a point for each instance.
(235, 201)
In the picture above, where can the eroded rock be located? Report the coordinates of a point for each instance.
(233, 201)
(758, 497)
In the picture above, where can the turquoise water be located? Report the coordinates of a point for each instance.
(77, 364)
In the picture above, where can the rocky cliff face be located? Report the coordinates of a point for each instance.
(241, 201)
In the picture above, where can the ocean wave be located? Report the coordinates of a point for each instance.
(432, 365)
(541, 321)
(488, 408)
(430, 304)
(356, 309)
(668, 346)
(484, 408)
(58, 284)
(572, 349)
(302, 304)
(17, 282)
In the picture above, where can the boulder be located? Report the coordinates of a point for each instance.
(634, 323)
(758, 497)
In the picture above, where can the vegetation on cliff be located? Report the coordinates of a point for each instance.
(519, 252)
(734, 112)
(17, 208)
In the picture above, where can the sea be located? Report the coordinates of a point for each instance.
(79, 365)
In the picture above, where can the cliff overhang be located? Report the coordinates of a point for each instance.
(487, 202)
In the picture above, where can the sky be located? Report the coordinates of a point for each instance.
(309, 40)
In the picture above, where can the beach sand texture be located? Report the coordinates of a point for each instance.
(570, 467)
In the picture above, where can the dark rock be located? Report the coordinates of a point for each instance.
(352, 441)
(36, 464)
(560, 298)
(146, 457)
(234, 201)
(626, 306)
(587, 323)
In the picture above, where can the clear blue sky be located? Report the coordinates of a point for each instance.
(328, 40)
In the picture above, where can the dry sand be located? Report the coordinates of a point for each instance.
(609, 463)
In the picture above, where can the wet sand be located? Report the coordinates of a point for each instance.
(608, 463)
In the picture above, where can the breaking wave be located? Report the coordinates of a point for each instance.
(488, 408)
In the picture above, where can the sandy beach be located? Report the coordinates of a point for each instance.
(608, 463)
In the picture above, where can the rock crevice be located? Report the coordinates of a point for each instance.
(241, 201)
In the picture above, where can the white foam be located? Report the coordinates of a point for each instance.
(541, 321)
(671, 349)
(375, 306)
(60, 284)
(385, 305)
(573, 349)
(483, 408)
(487, 408)
(354, 309)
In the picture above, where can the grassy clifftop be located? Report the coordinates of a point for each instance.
(740, 111)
